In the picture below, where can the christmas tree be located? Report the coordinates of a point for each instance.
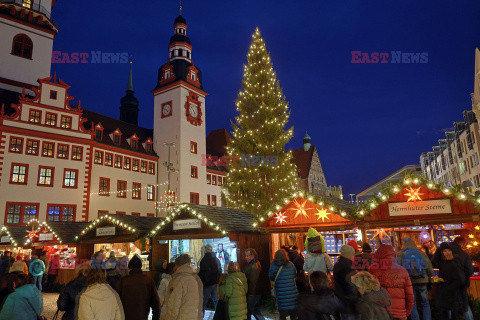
(263, 172)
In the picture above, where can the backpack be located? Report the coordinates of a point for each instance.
(415, 263)
(36, 268)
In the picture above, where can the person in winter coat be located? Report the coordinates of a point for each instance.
(99, 301)
(210, 271)
(24, 303)
(6, 262)
(19, 266)
(453, 280)
(67, 299)
(363, 260)
(235, 290)
(52, 272)
(344, 289)
(252, 272)
(283, 273)
(37, 269)
(162, 289)
(352, 243)
(111, 266)
(395, 279)
(185, 292)
(160, 269)
(138, 293)
(317, 260)
(296, 258)
(322, 303)
(421, 274)
(313, 235)
(465, 264)
(374, 301)
(6, 287)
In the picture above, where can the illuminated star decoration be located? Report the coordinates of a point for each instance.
(299, 208)
(31, 234)
(280, 218)
(322, 214)
(380, 233)
(414, 194)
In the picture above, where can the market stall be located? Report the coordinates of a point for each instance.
(190, 227)
(288, 226)
(12, 239)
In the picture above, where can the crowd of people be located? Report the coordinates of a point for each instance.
(361, 285)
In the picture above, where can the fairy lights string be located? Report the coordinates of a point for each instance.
(129, 190)
(108, 218)
(42, 225)
(4, 229)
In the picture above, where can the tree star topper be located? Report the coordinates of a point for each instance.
(300, 208)
(414, 194)
(322, 214)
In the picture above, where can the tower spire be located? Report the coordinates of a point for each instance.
(130, 78)
(180, 7)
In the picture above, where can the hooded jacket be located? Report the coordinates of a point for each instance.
(67, 298)
(100, 302)
(344, 289)
(395, 279)
(317, 305)
(464, 262)
(185, 295)
(374, 305)
(285, 287)
(37, 268)
(210, 269)
(318, 262)
(138, 294)
(429, 276)
(312, 233)
(235, 290)
(252, 272)
(25, 303)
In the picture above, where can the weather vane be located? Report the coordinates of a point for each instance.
(180, 7)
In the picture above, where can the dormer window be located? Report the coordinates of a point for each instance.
(53, 94)
(167, 74)
(134, 144)
(116, 139)
(193, 76)
(98, 134)
(149, 147)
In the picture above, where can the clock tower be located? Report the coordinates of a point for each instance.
(179, 118)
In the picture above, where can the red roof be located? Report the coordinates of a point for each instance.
(303, 160)
(217, 141)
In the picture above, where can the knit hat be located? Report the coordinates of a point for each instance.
(352, 243)
(182, 259)
(135, 262)
(347, 251)
(366, 248)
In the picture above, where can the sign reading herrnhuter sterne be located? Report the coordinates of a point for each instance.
(398, 209)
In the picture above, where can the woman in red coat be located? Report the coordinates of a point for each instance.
(395, 279)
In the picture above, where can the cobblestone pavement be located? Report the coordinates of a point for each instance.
(50, 307)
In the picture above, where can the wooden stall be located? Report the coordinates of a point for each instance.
(200, 225)
(289, 224)
(12, 238)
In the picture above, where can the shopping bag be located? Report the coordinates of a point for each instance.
(221, 312)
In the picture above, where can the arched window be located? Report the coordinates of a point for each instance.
(22, 46)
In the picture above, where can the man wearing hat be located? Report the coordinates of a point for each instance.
(138, 293)
(6, 262)
(342, 272)
(185, 292)
(210, 271)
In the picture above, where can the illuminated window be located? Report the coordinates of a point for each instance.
(214, 200)
(104, 186)
(18, 213)
(208, 199)
(47, 150)
(70, 178)
(51, 119)
(14, 212)
(30, 212)
(150, 193)
(151, 168)
(121, 189)
(19, 174)
(193, 147)
(77, 153)
(35, 116)
(194, 197)
(143, 166)
(16, 145)
(193, 172)
(62, 151)
(45, 177)
(66, 122)
(135, 164)
(209, 178)
(27, 3)
(108, 159)
(98, 157)
(22, 46)
(118, 162)
(214, 180)
(58, 212)
(136, 191)
(126, 163)
(32, 147)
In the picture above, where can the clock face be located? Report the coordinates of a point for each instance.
(193, 110)
(166, 109)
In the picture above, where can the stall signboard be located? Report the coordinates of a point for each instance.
(105, 231)
(186, 224)
(45, 237)
(427, 207)
(5, 239)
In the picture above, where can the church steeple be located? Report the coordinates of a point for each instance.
(129, 104)
(307, 142)
(180, 47)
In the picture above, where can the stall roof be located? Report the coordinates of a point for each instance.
(18, 233)
(67, 230)
(232, 220)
